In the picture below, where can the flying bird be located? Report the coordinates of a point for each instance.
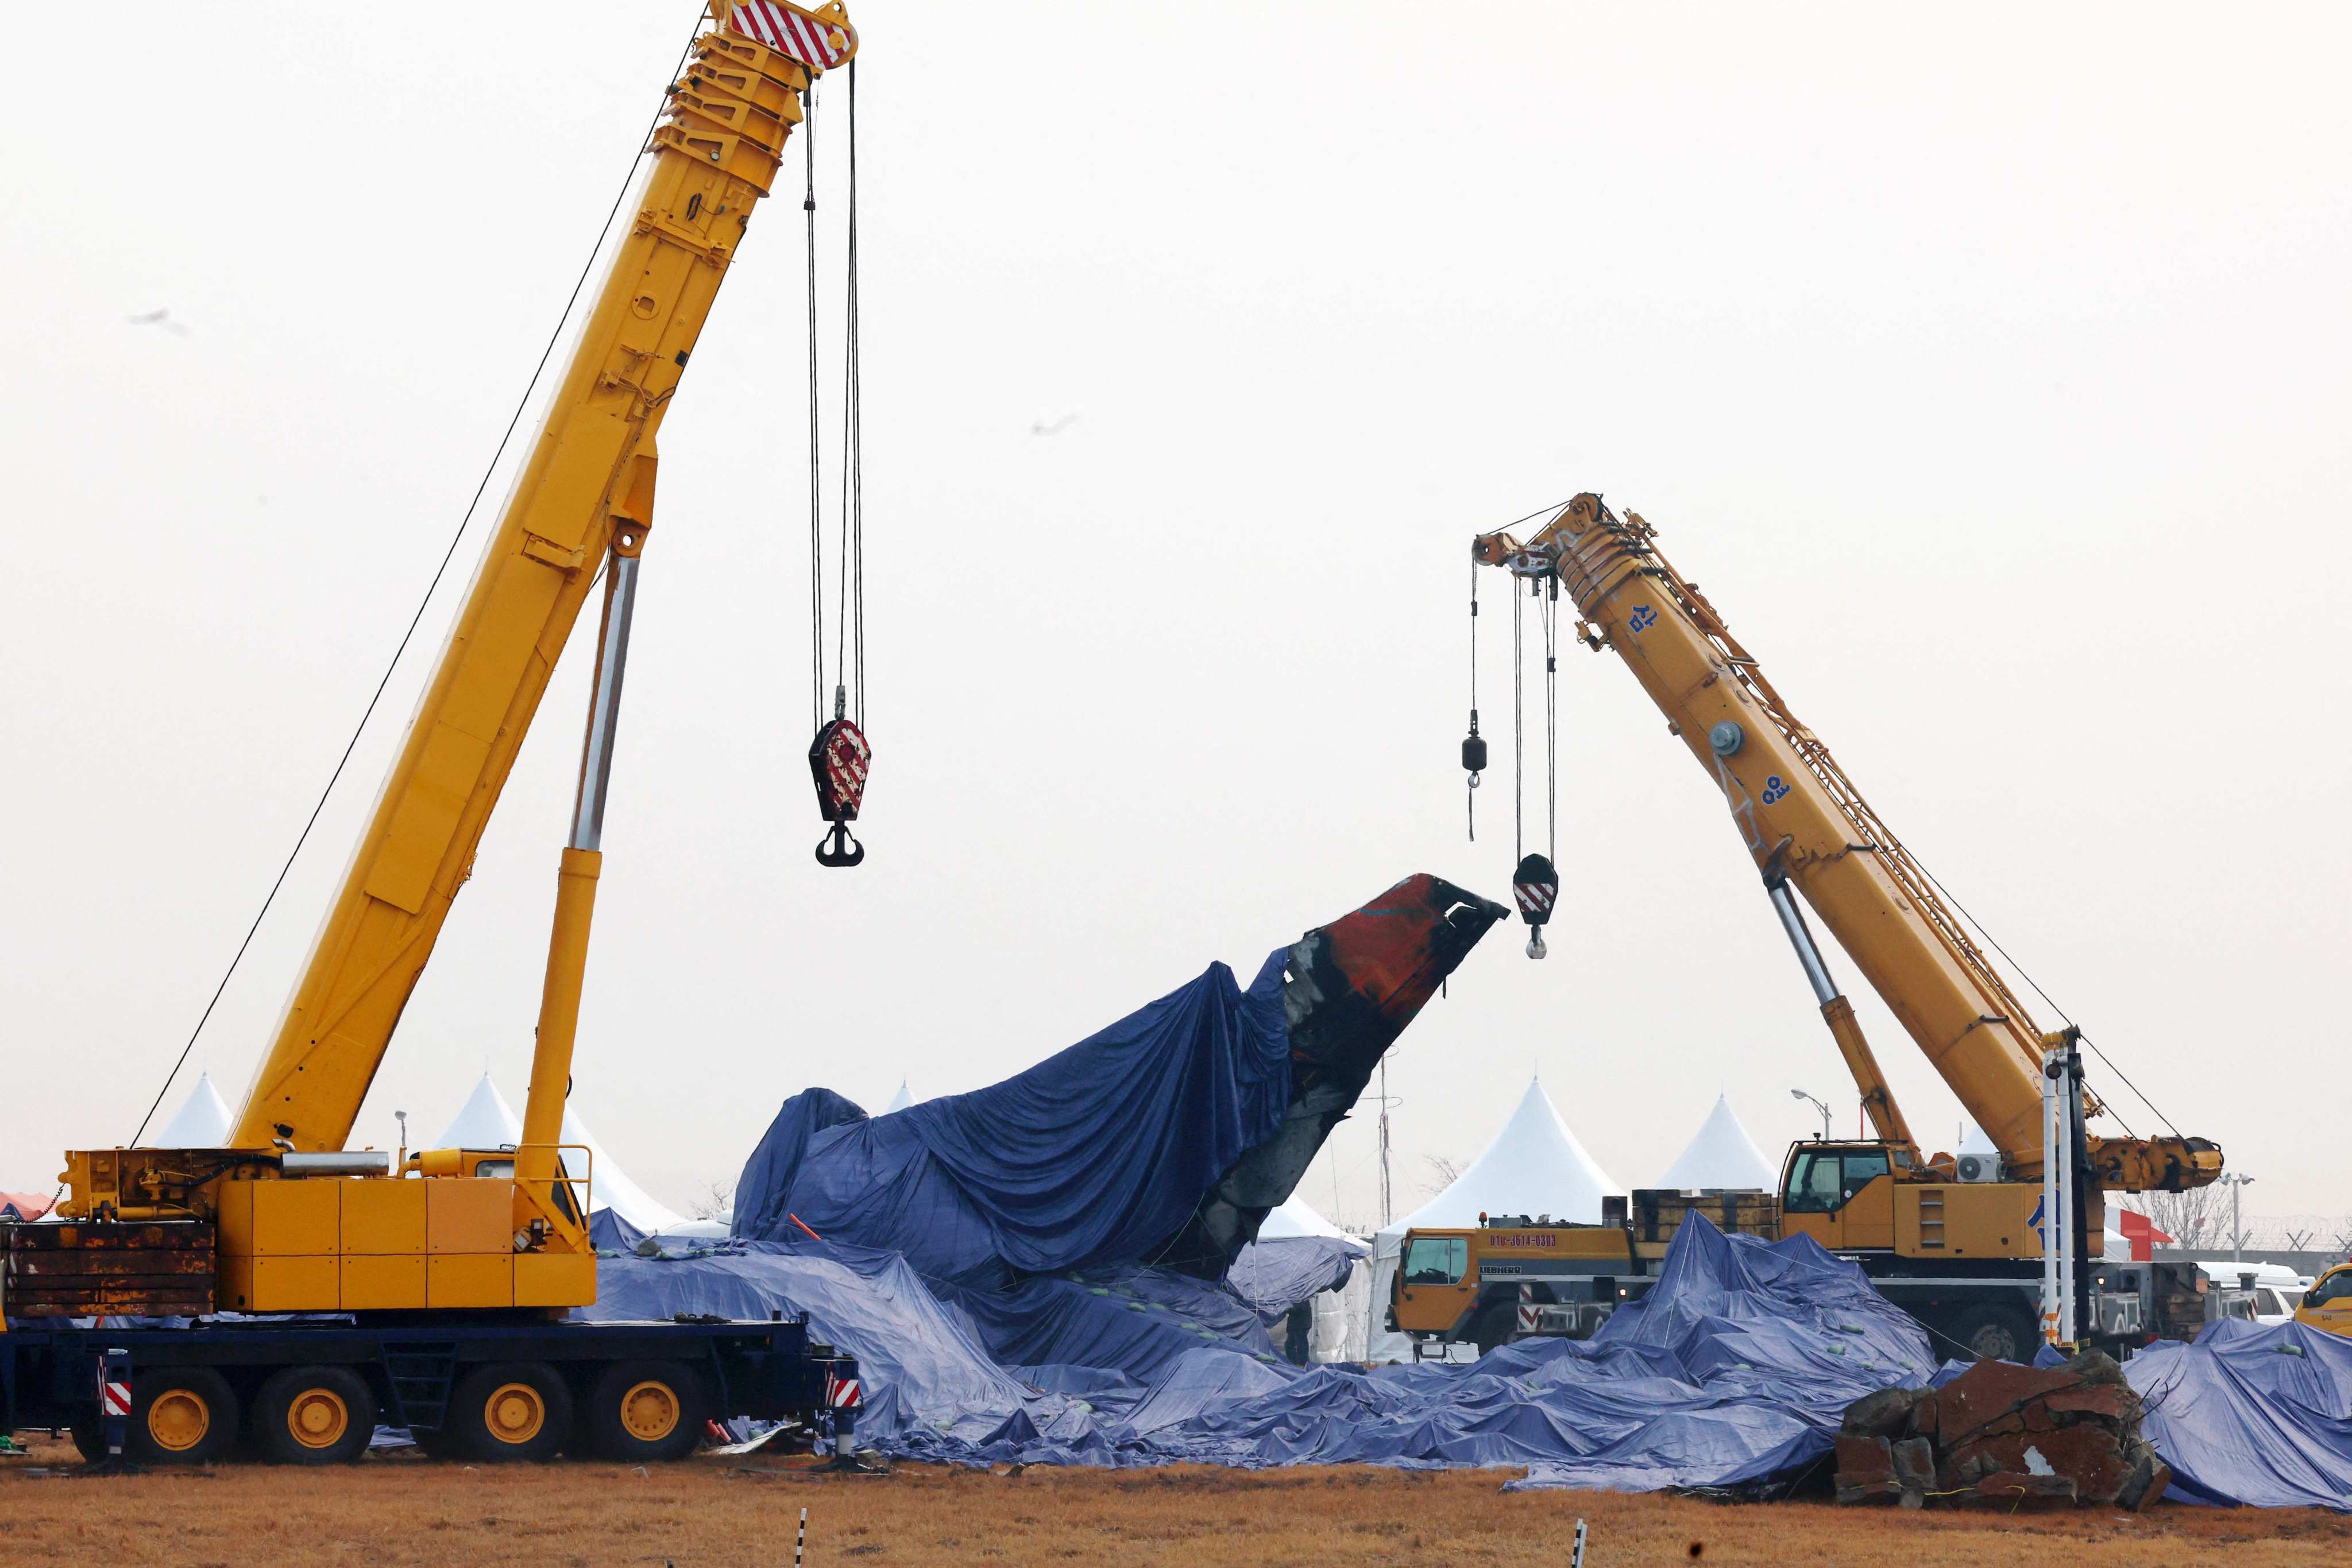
(1040, 428)
(163, 319)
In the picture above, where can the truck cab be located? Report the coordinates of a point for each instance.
(2329, 1303)
(1512, 1274)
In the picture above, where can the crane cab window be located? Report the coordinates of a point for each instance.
(1437, 1260)
(1814, 1184)
(1863, 1166)
(2332, 1290)
(1826, 1180)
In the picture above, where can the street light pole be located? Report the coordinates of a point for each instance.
(2237, 1182)
(1818, 1105)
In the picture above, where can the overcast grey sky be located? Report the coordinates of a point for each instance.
(1989, 370)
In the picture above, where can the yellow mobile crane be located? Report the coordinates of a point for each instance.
(1950, 1243)
(455, 1267)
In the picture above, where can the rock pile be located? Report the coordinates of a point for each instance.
(2003, 1437)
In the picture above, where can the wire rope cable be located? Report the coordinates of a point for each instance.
(383, 682)
(2064, 1016)
(849, 651)
(1519, 731)
(816, 453)
(1547, 616)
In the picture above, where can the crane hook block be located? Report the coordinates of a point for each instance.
(1474, 753)
(838, 760)
(1535, 886)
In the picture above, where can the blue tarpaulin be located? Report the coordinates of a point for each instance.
(1738, 1366)
(2251, 1415)
(1274, 1277)
(1095, 1156)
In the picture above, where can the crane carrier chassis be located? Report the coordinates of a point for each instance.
(1513, 1278)
(313, 1390)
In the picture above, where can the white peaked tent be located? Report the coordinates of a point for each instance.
(1294, 1218)
(488, 1121)
(1337, 1314)
(203, 1120)
(1534, 1165)
(485, 1122)
(900, 1101)
(1721, 1155)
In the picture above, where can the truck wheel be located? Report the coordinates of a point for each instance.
(509, 1410)
(1494, 1326)
(1995, 1333)
(183, 1416)
(313, 1415)
(642, 1410)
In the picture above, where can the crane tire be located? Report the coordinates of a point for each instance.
(179, 1415)
(313, 1415)
(509, 1411)
(1995, 1333)
(1494, 1326)
(640, 1411)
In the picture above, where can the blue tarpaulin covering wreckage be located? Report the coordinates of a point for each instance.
(1058, 1269)
(1737, 1368)
(2249, 1415)
(1044, 1269)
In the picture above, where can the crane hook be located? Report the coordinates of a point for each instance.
(838, 760)
(1535, 886)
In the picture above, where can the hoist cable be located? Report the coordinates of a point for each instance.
(1518, 734)
(817, 459)
(1470, 805)
(849, 657)
(1550, 617)
(513, 420)
(2063, 1018)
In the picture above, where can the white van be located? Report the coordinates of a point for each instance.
(2264, 1293)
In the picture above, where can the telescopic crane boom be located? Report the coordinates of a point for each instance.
(1812, 834)
(587, 486)
(583, 507)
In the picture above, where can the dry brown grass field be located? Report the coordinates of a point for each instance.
(402, 1509)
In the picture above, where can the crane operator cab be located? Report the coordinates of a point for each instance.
(2329, 1303)
(1841, 1194)
(1870, 1197)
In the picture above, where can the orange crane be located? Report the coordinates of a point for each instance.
(458, 1267)
(1813, 837)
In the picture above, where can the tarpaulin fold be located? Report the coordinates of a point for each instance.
(1093, 1157)
(2254, 1415)
(1738, 1366)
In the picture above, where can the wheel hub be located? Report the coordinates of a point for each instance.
(178, 1420)
(649, 1411)
(515, 1413)
(318, 1419)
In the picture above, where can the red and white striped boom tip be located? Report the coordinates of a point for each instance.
(807, 37)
